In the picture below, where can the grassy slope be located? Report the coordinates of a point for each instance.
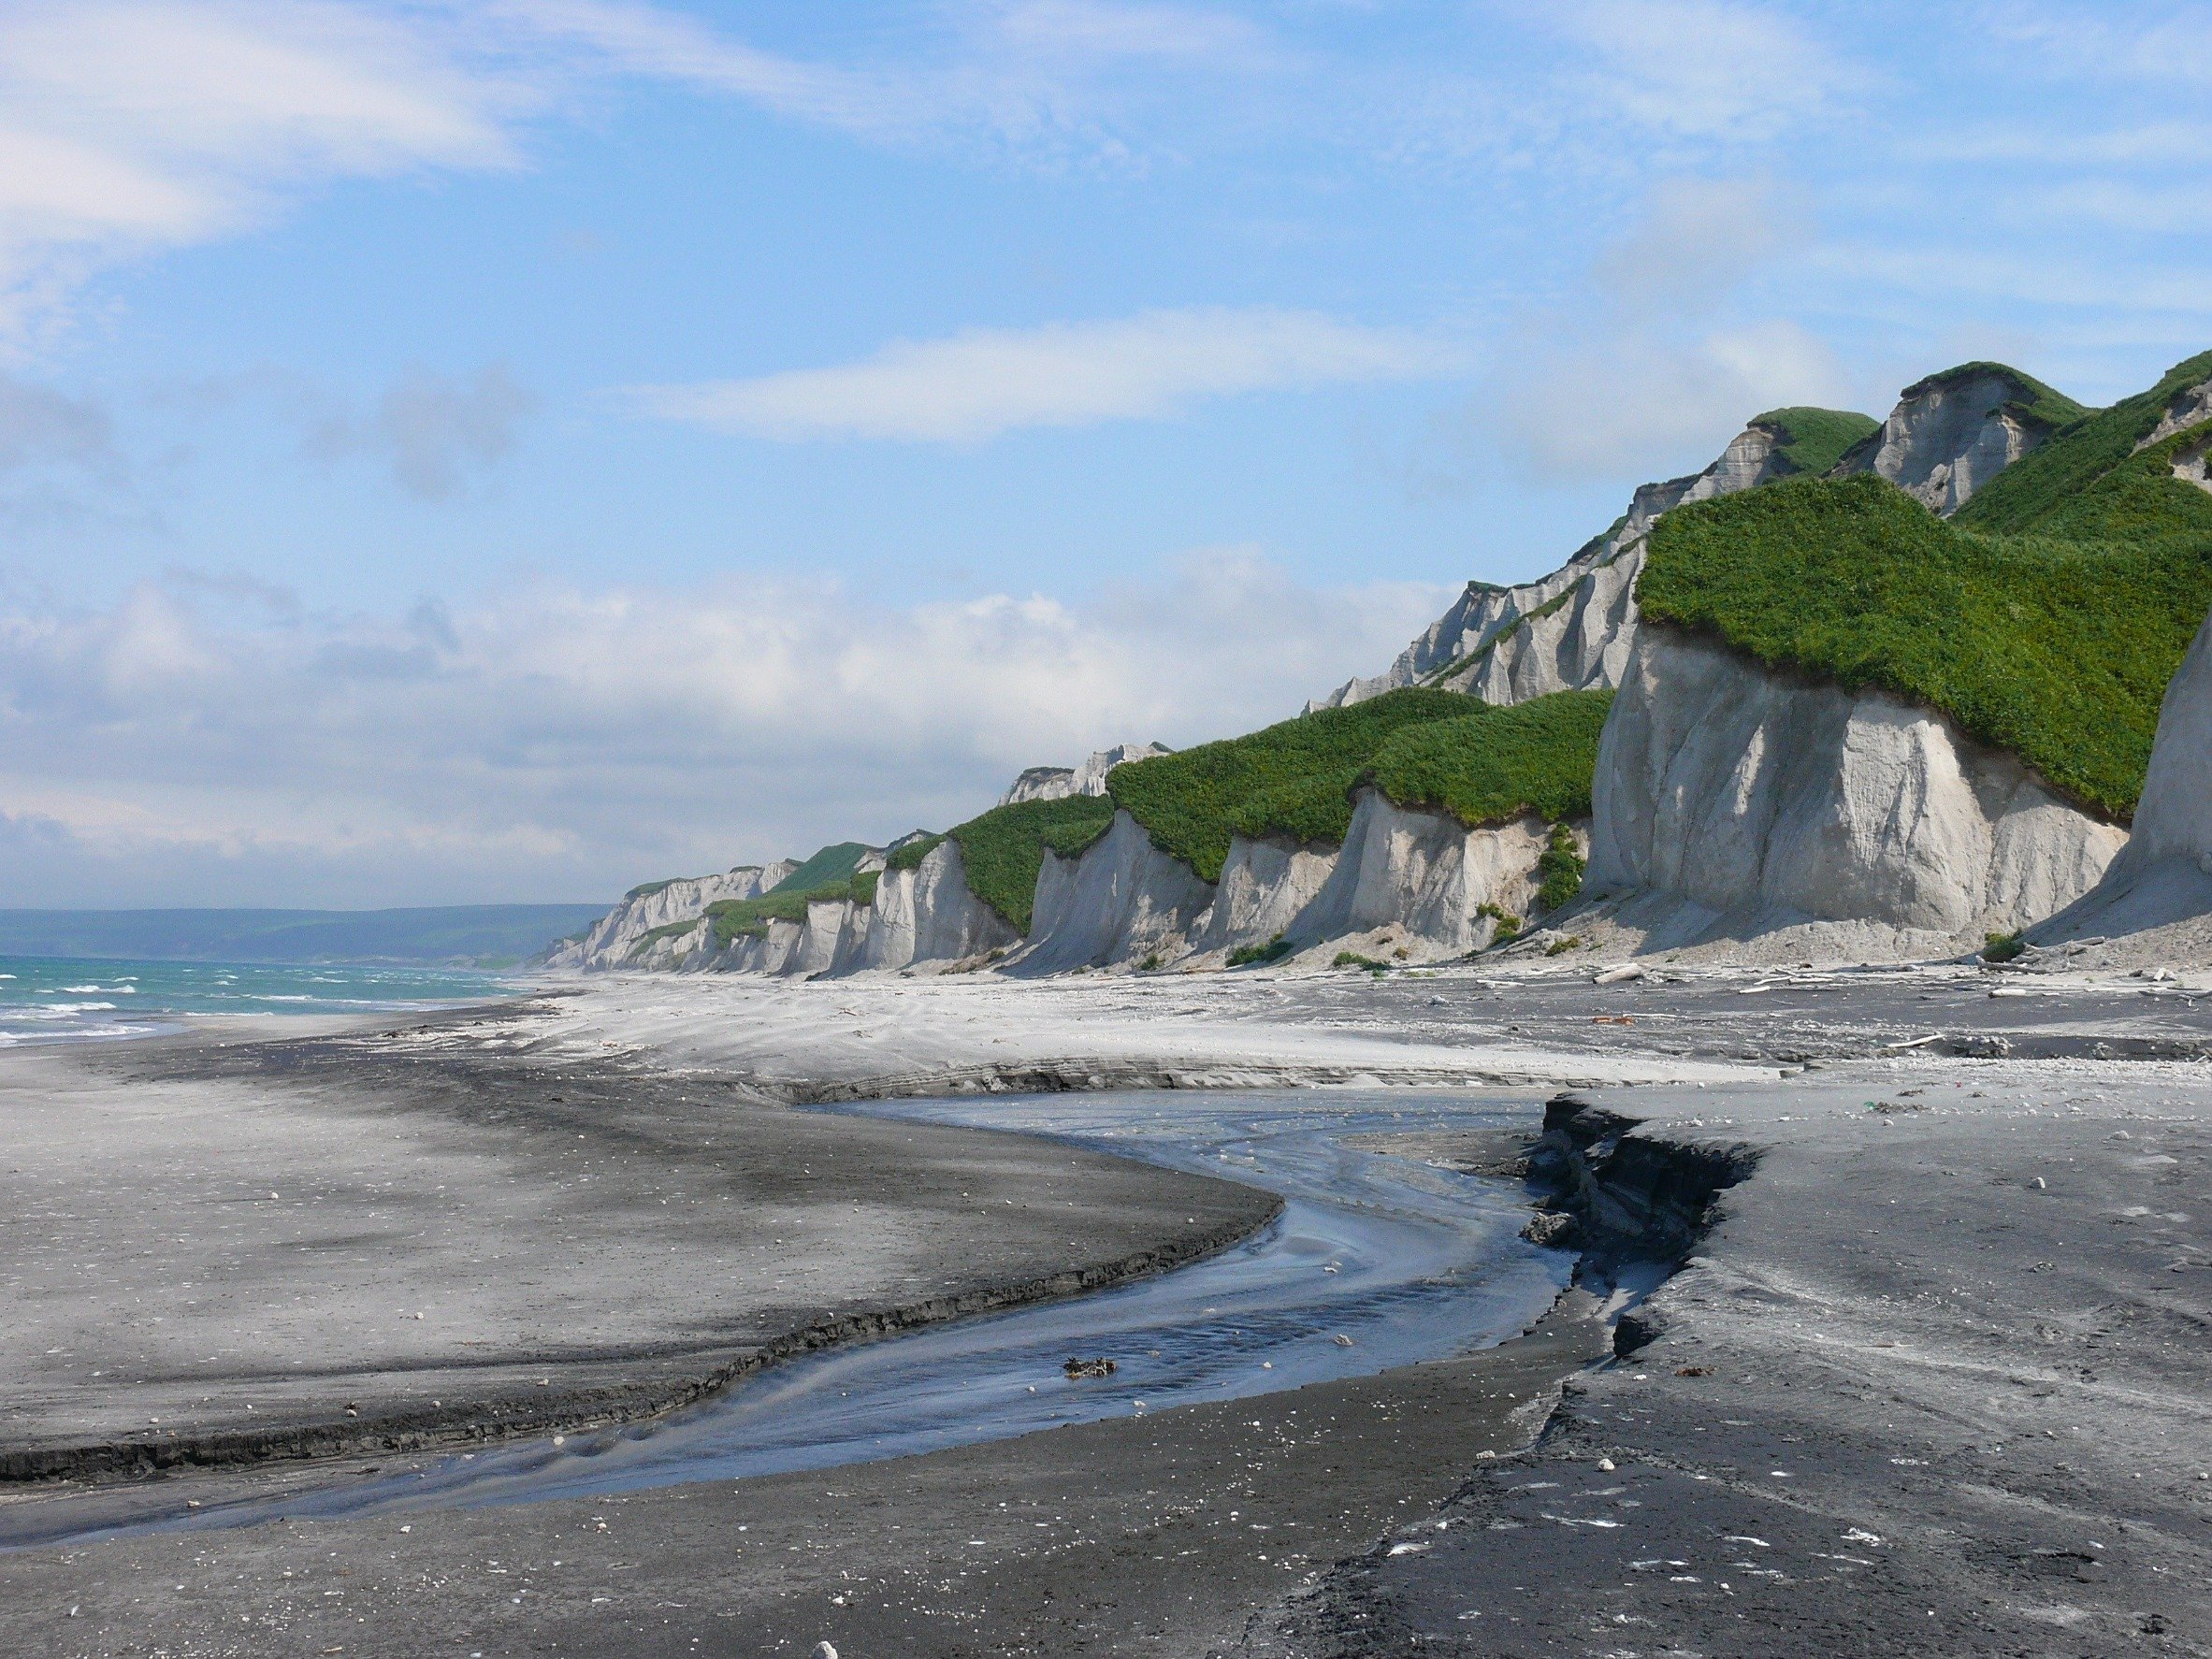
(910, 856)
(832, 864)
(2055, 644)
(1289, 779)
(1004, 848)
(2048, 489)
(1814, 440)
(1496, 763)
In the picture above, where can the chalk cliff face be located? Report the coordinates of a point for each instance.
(1744, 813)
(928, 915)
(1122, 900)
(2164, 877)
(1949, 435)
(1056, 783)
(1415, 883)
(1574, 630)
(1571, 630)
(615, 937)
(1426, 876)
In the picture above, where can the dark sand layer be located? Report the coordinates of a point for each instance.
(1941, 1383)
(217, 1251)
(1156, 1535)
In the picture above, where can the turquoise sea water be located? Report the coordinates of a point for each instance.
(81, 999)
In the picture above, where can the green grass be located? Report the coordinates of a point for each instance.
(910, 856)
(1246, 955)
(1351, 959)
(832, 864)
(652, 936)
(1814, 440)
(2056, 649)
(1291, 779)
(2082, 476)
(1004, 848)
(1492, 764)
(1507, 925)
(736, 919)
(645, 890)
(1561, 868)
(2002, 947)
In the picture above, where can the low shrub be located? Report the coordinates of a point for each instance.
(1560, 869)
(1291, 779)
(1492, 764)
(1245, 955)
(1003, 849)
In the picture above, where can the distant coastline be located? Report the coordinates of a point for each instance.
(489, 936)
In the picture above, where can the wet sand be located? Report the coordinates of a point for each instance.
(1938, 1381)
(1903, 1399)
(226, 1251)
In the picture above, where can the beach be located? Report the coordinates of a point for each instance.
(1887, 1310)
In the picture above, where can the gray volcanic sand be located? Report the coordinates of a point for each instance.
(1154, 1535)
(209, 1242)
(1905, 1401)
(1940, 1382)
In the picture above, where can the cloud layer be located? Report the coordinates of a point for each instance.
(206, 738)
(983, 382)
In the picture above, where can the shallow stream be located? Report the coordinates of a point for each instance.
(1380, 1258)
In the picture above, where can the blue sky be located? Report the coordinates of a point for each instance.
(509, 450)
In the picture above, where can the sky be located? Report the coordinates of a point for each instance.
(467, 453)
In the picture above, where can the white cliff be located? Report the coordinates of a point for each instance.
(927, 914)
(1057, 783)
(1122, 900)
(616, 936)
(1951, 433)
(2161, 881)
(1407, 883)
(1738, 813)
(1571, 630)
(1424, 878)
(1574, 630)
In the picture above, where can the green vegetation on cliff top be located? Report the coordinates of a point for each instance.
(2042, 405)
(1492, 764)
(910, 856)
(2087, 480)
(832, 864)
(1814, 440)
(1291, 779)
(1422, 748)
(2054, 640)
(1003, 849)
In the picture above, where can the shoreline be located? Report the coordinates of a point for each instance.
(1132, 1220)
(1879, 1333)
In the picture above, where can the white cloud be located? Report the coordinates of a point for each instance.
(1709, 69)
(130, 128)
(986, 381)
(433, 431)
(1659, 363)
(200, 740)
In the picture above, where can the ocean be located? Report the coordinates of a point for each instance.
(87, 999)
